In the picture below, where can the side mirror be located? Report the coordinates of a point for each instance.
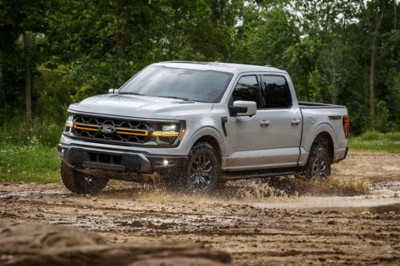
(243, 108)
(111, 91)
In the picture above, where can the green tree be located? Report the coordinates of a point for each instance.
(21, 23)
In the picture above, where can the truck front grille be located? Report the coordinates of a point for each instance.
(116, 130)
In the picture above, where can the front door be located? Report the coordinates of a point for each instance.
(248, 137)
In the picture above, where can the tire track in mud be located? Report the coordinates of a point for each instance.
(286, 229)
(253, 235)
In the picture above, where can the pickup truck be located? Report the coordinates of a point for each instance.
(198, 125)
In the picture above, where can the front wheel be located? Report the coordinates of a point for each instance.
(203, 170)
(80, 183)
(318, 165)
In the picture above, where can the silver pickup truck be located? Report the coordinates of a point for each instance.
(197, 125)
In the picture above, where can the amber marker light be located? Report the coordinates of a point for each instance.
(165, 134)
(69, 124)
(183, 134)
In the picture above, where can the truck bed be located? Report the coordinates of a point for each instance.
(315, 105)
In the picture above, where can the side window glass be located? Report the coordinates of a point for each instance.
(276, 92)
(247, 90)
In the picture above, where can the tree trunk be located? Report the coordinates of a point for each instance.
(27, 41)
(372, 74)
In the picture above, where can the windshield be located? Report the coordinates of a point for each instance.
(186, 84)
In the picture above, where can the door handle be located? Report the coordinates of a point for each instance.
(296, 122)
(264, 123)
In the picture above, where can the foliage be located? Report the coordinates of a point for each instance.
(83, 48)
(28, 163)
(375, 141)
(45, 132)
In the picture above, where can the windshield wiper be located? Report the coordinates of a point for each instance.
(174, 97)
(133, 93)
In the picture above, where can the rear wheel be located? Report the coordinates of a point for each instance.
(80, 183)
(203, 170)
(318, 165)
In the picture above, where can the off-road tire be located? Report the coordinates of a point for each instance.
(80, 183)
(203, 170)
(318, 167)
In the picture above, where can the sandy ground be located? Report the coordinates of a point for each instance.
(323, 226)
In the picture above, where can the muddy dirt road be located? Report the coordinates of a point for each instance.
(297, 223)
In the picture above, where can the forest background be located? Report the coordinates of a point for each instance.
(56, 52)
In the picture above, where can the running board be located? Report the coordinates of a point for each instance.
(258, 174)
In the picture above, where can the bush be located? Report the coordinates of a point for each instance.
(375, 141)
(375, 135)
(45, 132)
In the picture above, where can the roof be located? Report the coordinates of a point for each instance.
(216, 66)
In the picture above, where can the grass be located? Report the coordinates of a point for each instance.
(33, 161)
(375, 141)
(29, 163)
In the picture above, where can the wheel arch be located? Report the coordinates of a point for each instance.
(323, 128)
(213, 142)
(325, 139)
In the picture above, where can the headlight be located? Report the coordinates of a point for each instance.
(170, 128)
(69, 124)
(168, 133)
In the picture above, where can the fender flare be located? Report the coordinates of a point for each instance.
(324, 127)
(206, 131)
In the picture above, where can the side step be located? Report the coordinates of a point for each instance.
(256, 174)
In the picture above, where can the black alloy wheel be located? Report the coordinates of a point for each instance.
(318, 167)
(200, 172)
(203, 169)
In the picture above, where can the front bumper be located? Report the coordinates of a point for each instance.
(116, 163)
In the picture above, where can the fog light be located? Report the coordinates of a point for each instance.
(165, 162)
(61, 151)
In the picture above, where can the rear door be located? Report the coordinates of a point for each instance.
(285, 119)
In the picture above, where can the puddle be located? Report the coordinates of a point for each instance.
(165, 224)
(373, 210)
(29, 194)
(386, 186)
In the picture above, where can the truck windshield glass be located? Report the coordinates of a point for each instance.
(186, 84)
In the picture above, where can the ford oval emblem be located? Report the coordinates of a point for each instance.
(107, 129)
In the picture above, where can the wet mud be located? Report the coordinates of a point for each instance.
(354, 219)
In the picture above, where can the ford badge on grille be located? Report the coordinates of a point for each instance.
(107, 129)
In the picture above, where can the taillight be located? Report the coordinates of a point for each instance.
(346, 126)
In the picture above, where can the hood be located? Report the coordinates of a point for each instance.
(139, 106)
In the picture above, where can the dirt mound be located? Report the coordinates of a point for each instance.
(57, 245)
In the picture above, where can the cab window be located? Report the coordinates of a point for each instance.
(247, 89)
(276, 92)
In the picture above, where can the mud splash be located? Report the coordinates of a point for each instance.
(291, 186)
